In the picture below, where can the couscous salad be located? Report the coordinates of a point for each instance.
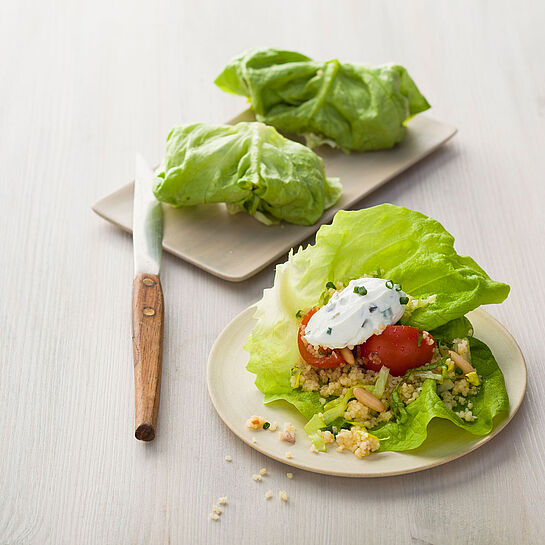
(365, 334)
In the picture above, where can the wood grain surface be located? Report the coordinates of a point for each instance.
(84, 85)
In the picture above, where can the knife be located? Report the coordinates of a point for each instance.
(147, 302)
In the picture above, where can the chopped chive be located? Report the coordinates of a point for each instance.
(330, 286)
(329, 331)
(360, 290)
(266, 425)
(389, 284)
(299, 314)
(397, 287)
(420, 336)
(403, 300)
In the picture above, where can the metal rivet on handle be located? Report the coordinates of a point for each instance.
(148, 311)
(148, 281)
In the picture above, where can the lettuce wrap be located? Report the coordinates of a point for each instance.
(250, 167)
(352, 106)
(410, 249)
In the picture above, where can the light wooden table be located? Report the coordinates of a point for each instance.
(83, 85)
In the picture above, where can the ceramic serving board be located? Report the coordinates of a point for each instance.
(235, 247)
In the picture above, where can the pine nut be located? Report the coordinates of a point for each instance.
(348, 356)
(369, 400)
(462, 363)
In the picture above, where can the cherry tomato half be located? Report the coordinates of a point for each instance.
(396, 348)
(322, 359)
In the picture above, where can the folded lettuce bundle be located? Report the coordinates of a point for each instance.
(410, 249)
(249, 166)
(352, 106)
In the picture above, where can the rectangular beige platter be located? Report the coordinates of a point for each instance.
(235, 247)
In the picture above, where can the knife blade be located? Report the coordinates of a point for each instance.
(148, 304)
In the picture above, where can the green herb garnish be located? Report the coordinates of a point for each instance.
(330, 286)
(296, 372)
(403, 300)
(389, 284)
(266, 425)
(360, 290)
(299, 314)
(329, 331)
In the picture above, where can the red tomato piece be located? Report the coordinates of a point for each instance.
(396, 348)
(324, 359)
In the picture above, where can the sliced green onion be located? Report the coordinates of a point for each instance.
(473, 378)
(429, 374)
(328, 331)
(335, 408)
(360, 290)
(357, 424)
(397, 287)
(266, 425)
(325, 297)
(295, 372)
(382, 380)
(389, 284)
(403, 300)
(330, 286)
(446, 385)
(299, 314)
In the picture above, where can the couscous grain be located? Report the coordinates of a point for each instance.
(255, 422)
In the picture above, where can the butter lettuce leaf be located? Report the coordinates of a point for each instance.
(490, 401)
(403, 245)
(249, 166)
(352, 106)
(455, 329)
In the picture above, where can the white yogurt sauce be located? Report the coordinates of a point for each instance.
(350, 318)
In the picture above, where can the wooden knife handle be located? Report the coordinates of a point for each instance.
(147, 338)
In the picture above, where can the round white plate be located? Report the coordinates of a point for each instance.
(235, 398)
